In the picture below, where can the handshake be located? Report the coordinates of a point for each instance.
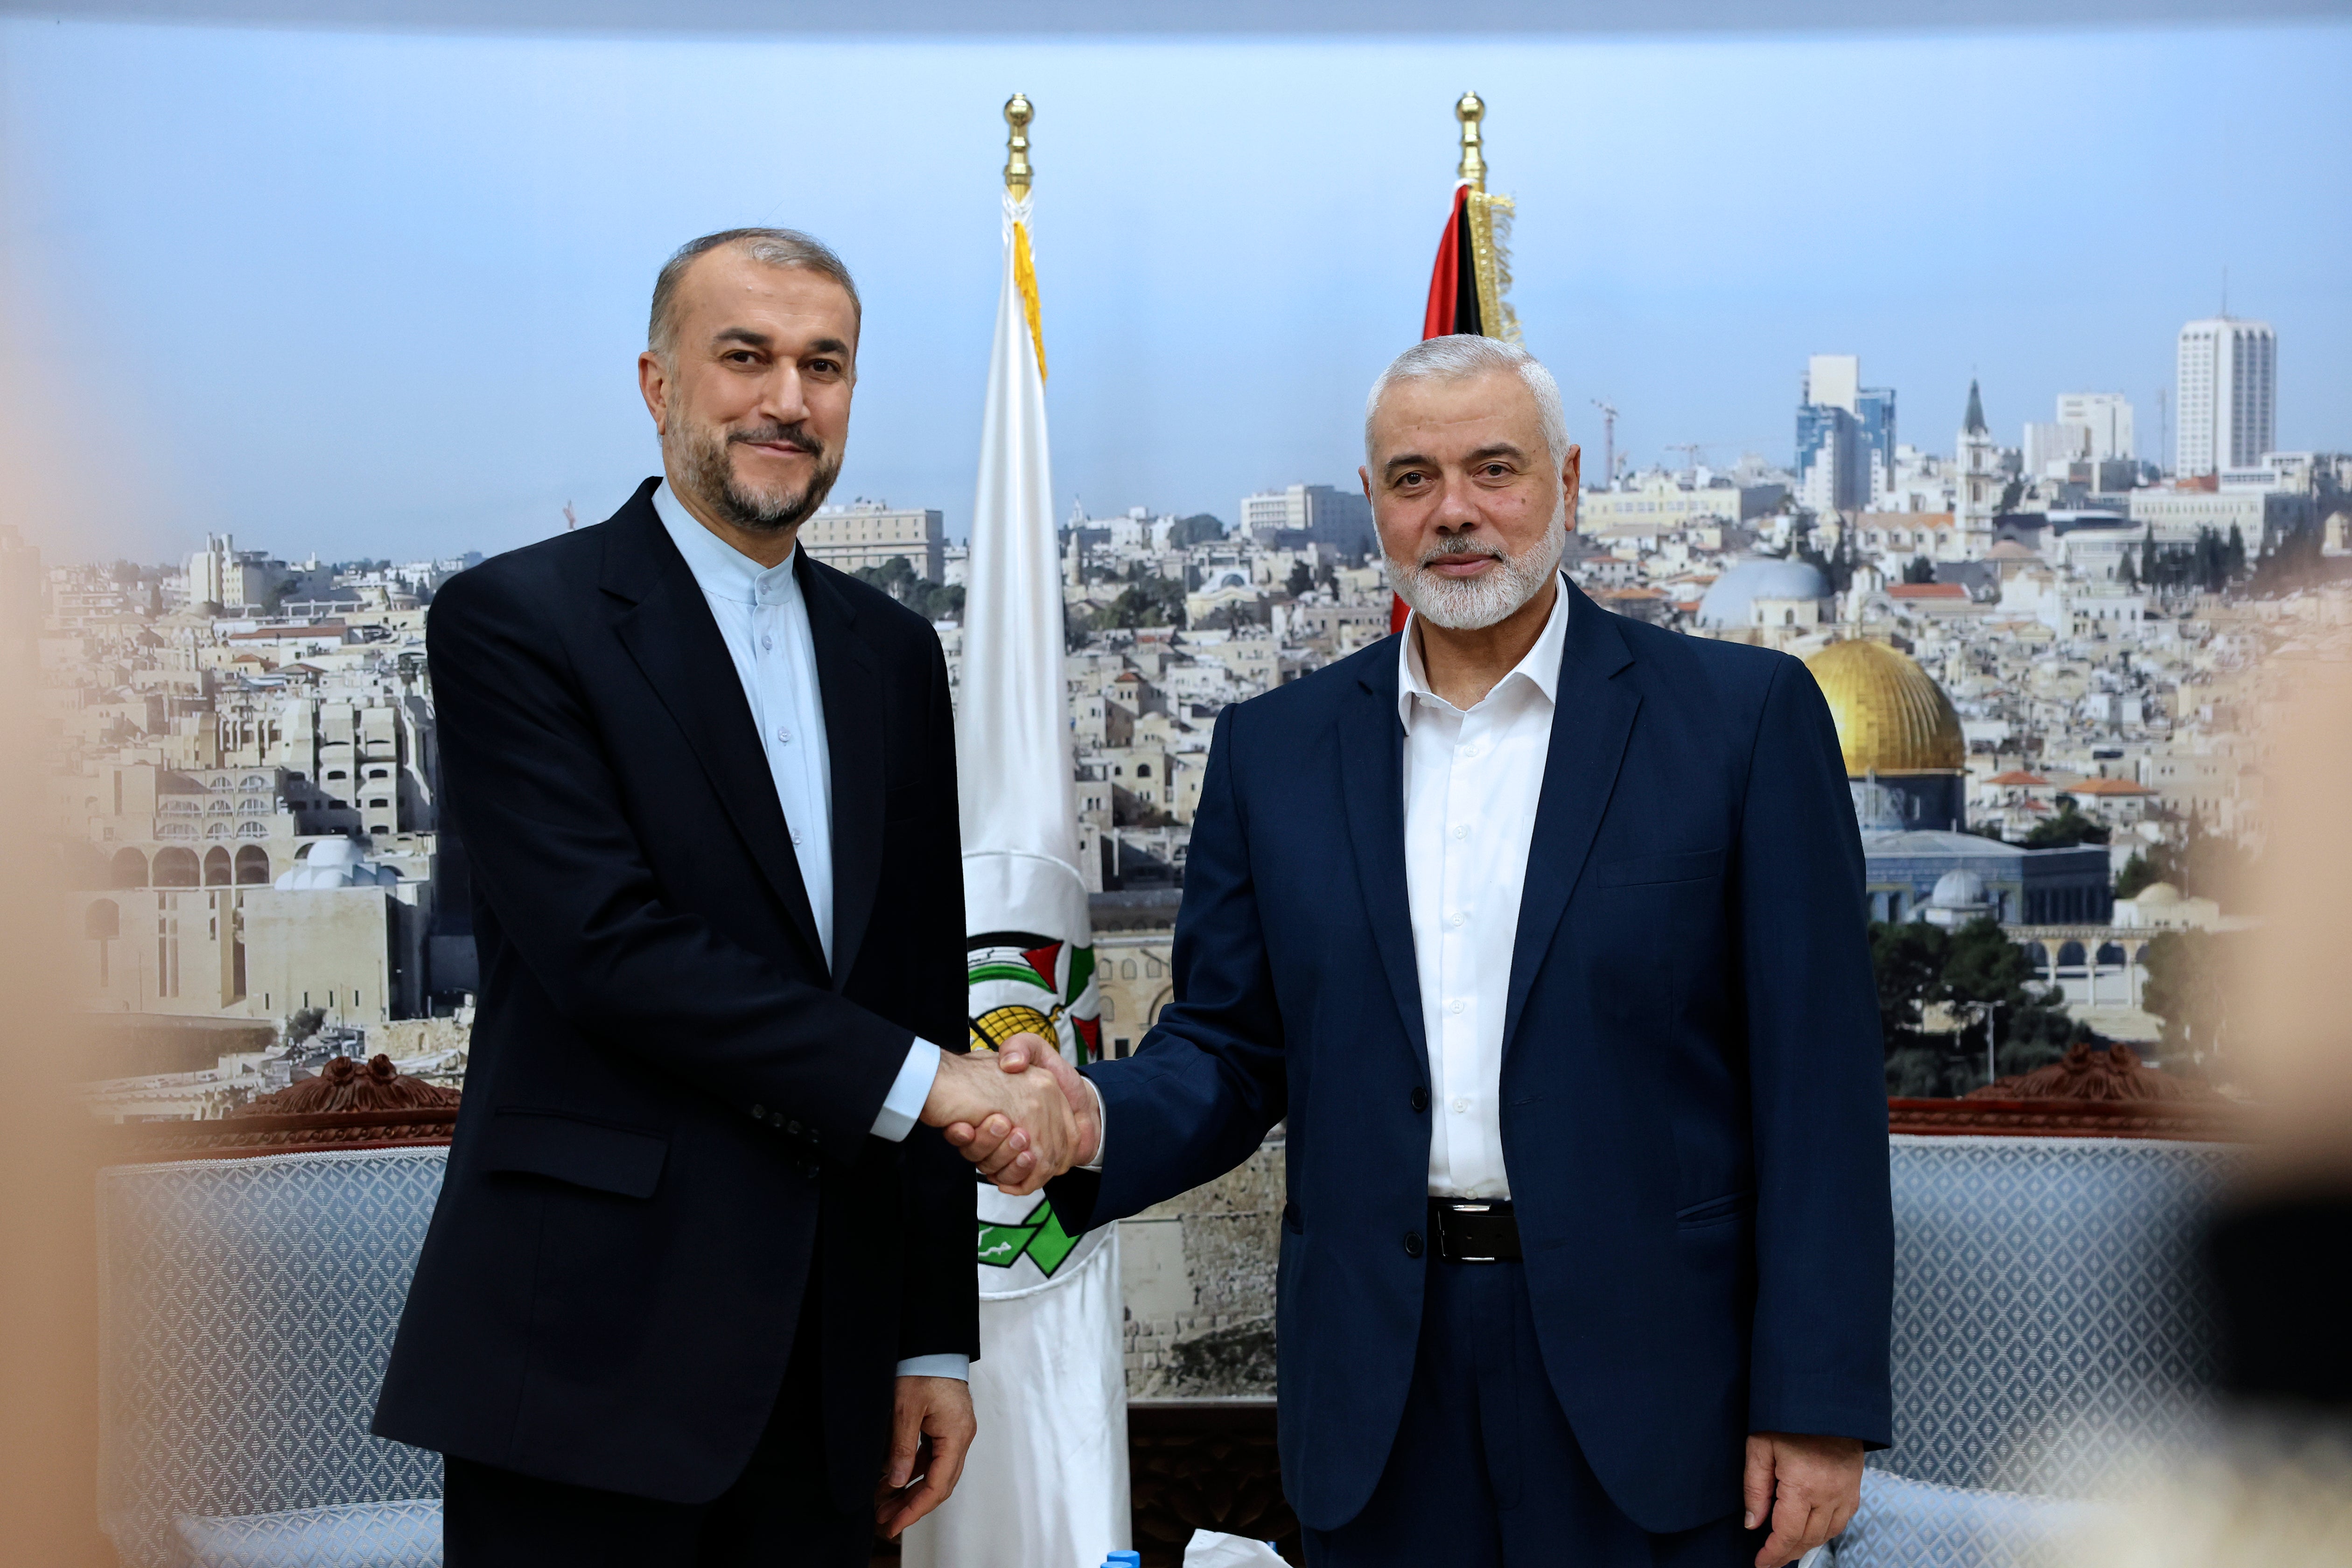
(1020, 1129)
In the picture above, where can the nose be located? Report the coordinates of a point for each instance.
(782, 399)
(1457, 510)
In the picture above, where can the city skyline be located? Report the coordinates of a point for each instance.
(400, 280)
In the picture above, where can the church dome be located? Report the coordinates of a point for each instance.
(1959, 890)
(1892, 718)
(1727, 600)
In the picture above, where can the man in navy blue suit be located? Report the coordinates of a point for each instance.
(1545, 931)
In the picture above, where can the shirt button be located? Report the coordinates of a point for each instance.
(1469, 750)
(1461, 1105)
(1455, 919)
(767, 642)
(1462, 830)
(1454, 1006)
(785, 736)
(796, 837)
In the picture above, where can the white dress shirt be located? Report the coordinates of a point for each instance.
(764, 623)
(1471, 783)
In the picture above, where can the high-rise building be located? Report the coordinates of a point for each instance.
(2228, 390)
(1845, 437)
(1320, 513)
(2106, 419)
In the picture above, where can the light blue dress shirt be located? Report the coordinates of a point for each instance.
(763, 620)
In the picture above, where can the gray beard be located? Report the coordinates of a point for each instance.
(707, 465)
(1469, 605)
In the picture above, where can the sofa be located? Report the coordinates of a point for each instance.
(2048, 1309)
(2050, 1316)
(247, 1309)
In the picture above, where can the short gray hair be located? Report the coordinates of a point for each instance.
(768, 247)
(1462, 356)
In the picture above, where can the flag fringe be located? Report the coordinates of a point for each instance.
(1490, 250)
(1025, 272)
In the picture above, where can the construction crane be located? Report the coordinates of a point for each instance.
(1690, 451)
(1608, 441)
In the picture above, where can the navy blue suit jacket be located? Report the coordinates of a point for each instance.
(1694, 1112)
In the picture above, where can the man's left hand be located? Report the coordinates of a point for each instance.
(1807, 1487)
(932, 1430)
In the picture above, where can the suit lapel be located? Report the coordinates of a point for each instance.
(850, 680)
(1371, 755)
(1593, 718)
(666, 625)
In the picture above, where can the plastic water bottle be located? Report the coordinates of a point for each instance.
(1124, 1560)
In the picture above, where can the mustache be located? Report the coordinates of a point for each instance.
(1461, 544)
(797, 433)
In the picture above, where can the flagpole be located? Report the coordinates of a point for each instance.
(1470, 110)
(1048, 1483)
(1018, 114)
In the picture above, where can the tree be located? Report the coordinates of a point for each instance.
(2185, 975)
(898, 578)
(2139, 872)
(2125, 574)
(1919, 569)
(1147, 600)
(1198, 528)
(1974, 970)
(2066, 830)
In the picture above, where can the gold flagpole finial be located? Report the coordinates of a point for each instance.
(1017, 114)
(1470, 110)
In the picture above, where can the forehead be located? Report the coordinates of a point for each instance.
(727, 288)
(1435, 415)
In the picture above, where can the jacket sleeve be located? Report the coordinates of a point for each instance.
(1825, 1224)
(554, 853)
(941, 1311)
(1210, 1080)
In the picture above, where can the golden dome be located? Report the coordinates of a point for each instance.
(1892, 717)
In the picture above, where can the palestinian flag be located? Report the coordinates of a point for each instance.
(1467, 285)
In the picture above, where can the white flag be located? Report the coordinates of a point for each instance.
(1047, 1483)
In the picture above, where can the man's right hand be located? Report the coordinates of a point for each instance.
(1025, 1122)
(996, 1145)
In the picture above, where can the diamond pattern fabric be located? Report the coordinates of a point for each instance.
(347, 1535)
(247, 1311)
(1919, 1524)
(2049, 1306)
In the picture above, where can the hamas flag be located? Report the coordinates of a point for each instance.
(1047, 1483)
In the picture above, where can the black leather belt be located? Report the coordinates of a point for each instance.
(1474, 1230)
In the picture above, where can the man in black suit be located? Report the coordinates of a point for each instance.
(699, 1289)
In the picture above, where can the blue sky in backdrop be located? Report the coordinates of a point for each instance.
(380, 294)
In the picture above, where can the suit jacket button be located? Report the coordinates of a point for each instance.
(794, 1128)
(1412, 1243)
(1420, 1097)
(759, 1113)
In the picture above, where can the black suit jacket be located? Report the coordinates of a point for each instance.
(666, 1088)
(1693, 1112)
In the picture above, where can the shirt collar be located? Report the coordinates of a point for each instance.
(722, 571)
(1539, 668)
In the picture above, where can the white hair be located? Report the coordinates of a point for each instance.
(1462, 356)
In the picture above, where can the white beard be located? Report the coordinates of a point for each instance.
(1468, 603)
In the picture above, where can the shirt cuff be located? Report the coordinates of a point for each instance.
(903, 1106)
(944, 1365)
(1102, 1129)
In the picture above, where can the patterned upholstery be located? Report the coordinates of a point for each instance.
(247, 1310)
(1919, 1524)
(2047, 1305)
(347, 1535)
